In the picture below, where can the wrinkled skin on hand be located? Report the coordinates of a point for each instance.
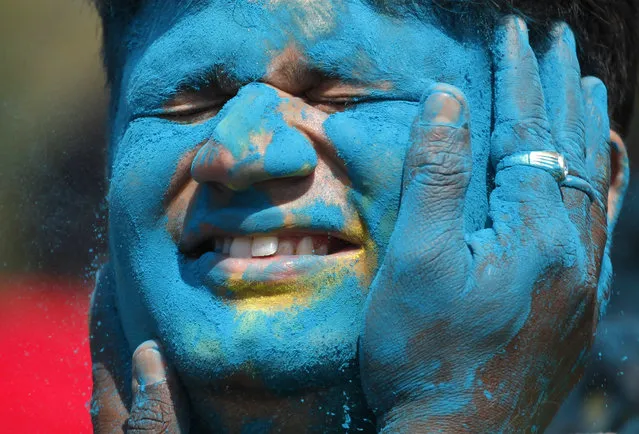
(488, 331)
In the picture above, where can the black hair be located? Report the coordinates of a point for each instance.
(605, 30)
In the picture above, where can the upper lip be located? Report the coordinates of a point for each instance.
(205, 232)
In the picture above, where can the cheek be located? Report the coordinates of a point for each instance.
(141, 249)
(147, 159)
(372, 141)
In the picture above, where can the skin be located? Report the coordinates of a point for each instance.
(434, 320)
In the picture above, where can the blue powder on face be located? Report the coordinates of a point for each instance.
(319, 214)
(290, 153)
(160, 294)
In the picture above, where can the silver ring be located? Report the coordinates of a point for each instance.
(579, 184)
(552, 162)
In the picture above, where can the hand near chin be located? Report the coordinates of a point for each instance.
(132, 393)
(487, 331)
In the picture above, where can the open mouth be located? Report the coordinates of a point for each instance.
(269, 246)
(274, 263)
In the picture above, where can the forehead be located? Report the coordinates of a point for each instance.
(348, 39)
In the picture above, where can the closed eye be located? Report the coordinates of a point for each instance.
(330, 105)
(192, 112)
(196, 104)
(332, 95)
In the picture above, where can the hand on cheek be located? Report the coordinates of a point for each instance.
(487, 331)
(133, 394)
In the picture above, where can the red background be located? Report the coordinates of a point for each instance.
(45, 366)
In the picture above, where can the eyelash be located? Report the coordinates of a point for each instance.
(192, 115)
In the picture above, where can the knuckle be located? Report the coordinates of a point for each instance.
(439, 137)
(101, 374)
(437, 176)
(532, 130)
(573, 135)
(441, 169)
(146, 424)
(438, 163)
(152, 410)
(150, 415)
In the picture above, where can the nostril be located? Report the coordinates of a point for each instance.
(212, 163)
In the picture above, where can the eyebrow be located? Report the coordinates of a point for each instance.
(298, 76)
(214, 76)
(149, 95)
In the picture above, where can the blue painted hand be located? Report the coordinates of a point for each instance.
(487, 331)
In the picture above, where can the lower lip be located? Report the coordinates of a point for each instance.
(220, 270)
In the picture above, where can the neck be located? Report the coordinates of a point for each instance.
(235, 409)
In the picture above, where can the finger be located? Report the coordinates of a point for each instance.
(520, 116)
(598, 157)
(110, 357)
(437, 173)
(158, 403)
(526, 204)
(598, 167)
(619, 178)
(561, 80)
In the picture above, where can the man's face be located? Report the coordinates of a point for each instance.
(284, 125)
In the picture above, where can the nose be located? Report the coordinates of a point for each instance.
(253, 142)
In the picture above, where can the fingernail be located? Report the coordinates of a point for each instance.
(562, 31)
(442, 108)
(149, 365)
(521, 26)
(516, 28)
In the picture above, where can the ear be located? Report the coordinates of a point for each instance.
(619, 177)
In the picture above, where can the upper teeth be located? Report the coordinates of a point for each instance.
(264, 246)
(261, 246)
(305, 246)
(241, 248)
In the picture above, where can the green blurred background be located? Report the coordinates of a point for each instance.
(52, 117)
(52, 216)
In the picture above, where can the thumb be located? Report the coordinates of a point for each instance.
(158, 402)
(436, 176)
(439, 162)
